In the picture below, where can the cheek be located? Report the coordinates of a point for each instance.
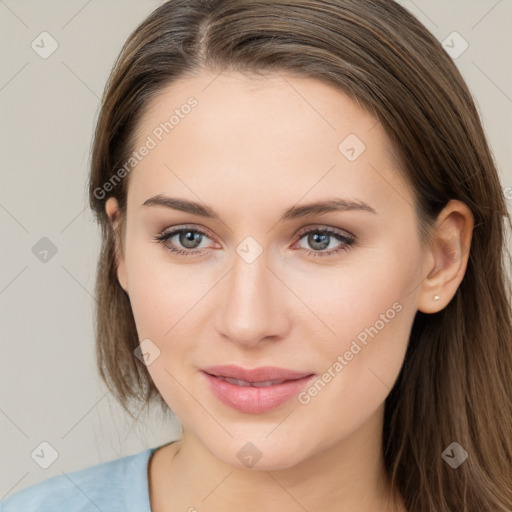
(162, 293)
(361, 361)
(166, 306)
(170, 308)
(358, 375)
(369, 309)
(365, 297)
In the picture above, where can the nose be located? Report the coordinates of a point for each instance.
(253, 303)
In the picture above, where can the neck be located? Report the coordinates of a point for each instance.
(347, 477)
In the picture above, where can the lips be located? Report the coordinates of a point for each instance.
(255, 391)
(262, 374)
(245, 383)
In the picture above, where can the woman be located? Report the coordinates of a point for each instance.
(303, 258)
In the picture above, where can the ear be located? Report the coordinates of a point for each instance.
(448, 256)
(112, 210)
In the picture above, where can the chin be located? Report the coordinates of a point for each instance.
(261, 455)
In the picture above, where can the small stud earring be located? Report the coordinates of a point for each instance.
(436, 297)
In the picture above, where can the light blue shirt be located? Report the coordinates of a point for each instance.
(120, 485)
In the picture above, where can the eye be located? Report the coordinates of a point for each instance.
(188, 238)
(320, 239)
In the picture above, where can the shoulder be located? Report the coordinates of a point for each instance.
(116, 485)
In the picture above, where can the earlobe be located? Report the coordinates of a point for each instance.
(112, 210)
(449, 253)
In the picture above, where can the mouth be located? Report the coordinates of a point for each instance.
(260, 375)
(256, 390)
(245, 383)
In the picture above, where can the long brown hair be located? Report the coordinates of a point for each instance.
(456, 381)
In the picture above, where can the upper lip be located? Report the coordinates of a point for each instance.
(260, 374)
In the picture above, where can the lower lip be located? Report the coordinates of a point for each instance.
(255, 400)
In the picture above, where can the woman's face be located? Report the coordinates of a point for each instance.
(255, 287)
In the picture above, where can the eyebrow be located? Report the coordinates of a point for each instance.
(294, 212)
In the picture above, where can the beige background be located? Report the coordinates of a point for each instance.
(50, 391)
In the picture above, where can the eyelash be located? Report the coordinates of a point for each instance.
(348, 241)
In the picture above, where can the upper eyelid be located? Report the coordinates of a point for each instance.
(175, 230)
(339, 231)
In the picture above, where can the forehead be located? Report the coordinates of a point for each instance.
(260, 134)
(275, 100)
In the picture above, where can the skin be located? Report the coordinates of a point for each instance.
(252, 148)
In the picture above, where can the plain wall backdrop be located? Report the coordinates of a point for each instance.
(50, 391)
